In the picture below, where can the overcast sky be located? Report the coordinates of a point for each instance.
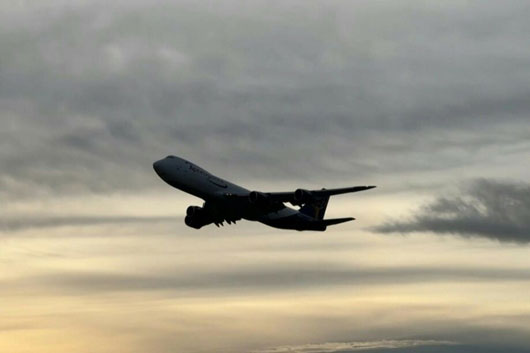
(428, 100)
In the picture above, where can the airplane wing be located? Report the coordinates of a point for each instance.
(299, 196)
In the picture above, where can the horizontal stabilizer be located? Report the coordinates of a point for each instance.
(332, 221)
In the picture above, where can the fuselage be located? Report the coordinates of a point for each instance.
(190, 178)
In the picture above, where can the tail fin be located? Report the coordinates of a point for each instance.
(316, 208)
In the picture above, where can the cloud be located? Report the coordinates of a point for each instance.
(492, 209)
(324, 93)
(17, 224)
(384, 88)
(257, 279)
(345, 347)
(392, 346)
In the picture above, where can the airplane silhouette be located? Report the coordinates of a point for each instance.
(225, 201)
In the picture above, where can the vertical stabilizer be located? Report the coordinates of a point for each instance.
(315, 208)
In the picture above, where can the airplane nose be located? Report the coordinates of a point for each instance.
(157, 166)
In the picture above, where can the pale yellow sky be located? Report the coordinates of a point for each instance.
(161, 287)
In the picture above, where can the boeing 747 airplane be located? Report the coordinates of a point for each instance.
(224, 201)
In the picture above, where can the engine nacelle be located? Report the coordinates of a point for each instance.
(258, 198)
(196, 217)
(302, 196)
(193, 210)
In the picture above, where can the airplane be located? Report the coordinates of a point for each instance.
(225, 201)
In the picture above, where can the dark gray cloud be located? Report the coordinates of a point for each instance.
(491, 209)
(92, 94)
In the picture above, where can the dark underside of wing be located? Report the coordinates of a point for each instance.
(300, 196)
(297, 197)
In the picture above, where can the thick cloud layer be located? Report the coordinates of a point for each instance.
(91, 95)
(484, 208)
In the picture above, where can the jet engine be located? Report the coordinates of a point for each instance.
(196, 217)
(258, 198)
(193, 211)
(302, 196)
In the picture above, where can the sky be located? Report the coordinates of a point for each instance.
(428, 100)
